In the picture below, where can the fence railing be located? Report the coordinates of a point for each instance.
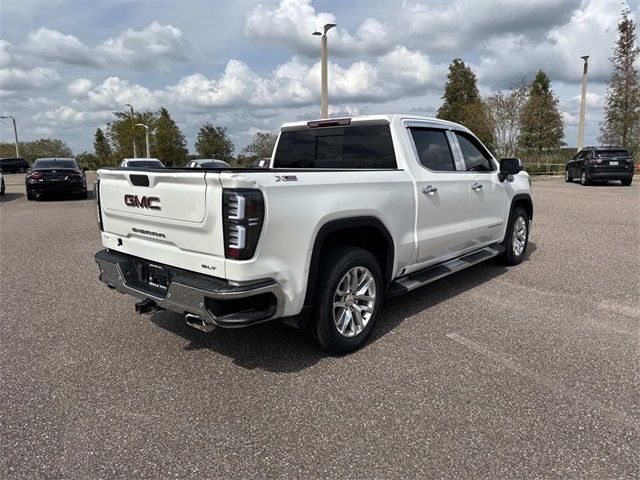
(544, 168)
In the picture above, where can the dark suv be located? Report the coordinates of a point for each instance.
(13, 165)
(600, 164)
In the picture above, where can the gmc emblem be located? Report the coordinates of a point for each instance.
(152, 203)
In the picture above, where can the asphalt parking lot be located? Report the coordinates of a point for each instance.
(524, 372)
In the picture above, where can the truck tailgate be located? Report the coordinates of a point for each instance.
(172, 217)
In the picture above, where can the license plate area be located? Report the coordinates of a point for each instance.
(152, 277)
(156, 276)
(612, 162)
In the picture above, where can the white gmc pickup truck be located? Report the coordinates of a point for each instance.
(351, 210)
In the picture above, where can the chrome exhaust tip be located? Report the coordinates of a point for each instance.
(197, 322)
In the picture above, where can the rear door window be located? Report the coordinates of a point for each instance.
(433, 149)
(365, 147)
(476, 157)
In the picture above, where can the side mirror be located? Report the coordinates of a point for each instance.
(509, 166)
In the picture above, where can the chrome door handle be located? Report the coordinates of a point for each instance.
(476, 186)
(429, 190)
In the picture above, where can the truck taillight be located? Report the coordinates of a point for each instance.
(243, 213)
(96, 194)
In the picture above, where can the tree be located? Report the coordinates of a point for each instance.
(621, 125)
(504, 117)
(122, 131)
(542, 127)
(42, 148)
(102, 148)
(213, 142)
(89, 160)
(169, 146)
(261, 146)
(462, 102)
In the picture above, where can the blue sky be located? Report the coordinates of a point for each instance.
(66, 65)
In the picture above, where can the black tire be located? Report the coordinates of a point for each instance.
(323, 329)
(84, 195)
(626, 182)
(567, 176)
(2, 188)
(584, 179)
(510, 256)
(31, 196)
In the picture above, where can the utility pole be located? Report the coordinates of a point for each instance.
(146, 137)
(133, 136)
(583, 101)
(324, 88)
(15, 133)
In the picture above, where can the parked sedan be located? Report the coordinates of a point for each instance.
(55, 175)
(141, 163)
(207, 163)
(260, 163)
(13, 165)
(600, 164)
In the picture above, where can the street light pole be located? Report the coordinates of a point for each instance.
(15, 133)
(583, 101)
(133, 136)
(324, 88)
(146, 137)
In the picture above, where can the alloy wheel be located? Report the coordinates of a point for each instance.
(519, 237)
(354, 301)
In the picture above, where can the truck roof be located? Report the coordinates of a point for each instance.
(389, 118)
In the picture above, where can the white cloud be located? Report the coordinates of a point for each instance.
(114, 92)
(79, 87)
(145, 48)
(55, 46)
(433, 27)
(5, 53)
(12, 79)
(293, 22)
(591, 30)
(153, 46)
(70, 115)
(234, 87)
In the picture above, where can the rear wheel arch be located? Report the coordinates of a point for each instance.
(368, 233)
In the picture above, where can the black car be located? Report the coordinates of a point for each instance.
(13, 165)
(55, 175)
(600, 164)
(260, 163)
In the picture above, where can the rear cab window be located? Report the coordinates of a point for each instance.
(433, 149)
(348, 147)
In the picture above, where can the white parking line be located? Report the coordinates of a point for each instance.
(556, 387)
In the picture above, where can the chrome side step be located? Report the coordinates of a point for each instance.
(431, 274)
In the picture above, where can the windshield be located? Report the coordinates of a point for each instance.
(610, 153)
(55, 165)
(145, 163)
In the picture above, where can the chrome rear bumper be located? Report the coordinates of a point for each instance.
(215, 301)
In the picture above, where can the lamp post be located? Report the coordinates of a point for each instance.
(146, 137)
(135, 150)
(324, 89)
(15, 133)
(583, 101)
